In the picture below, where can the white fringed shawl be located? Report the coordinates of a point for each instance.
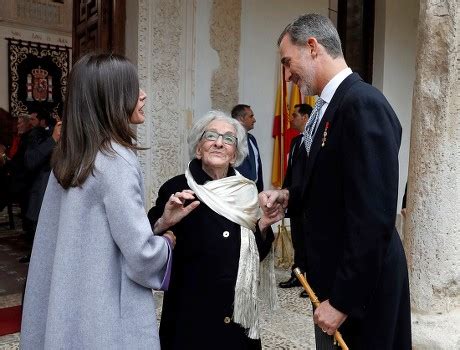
(236, 198)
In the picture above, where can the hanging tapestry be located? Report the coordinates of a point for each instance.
(37, 76)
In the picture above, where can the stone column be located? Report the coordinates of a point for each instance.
(165, 65)
(432, 230)
(225, 38)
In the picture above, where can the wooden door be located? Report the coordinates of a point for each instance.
(98, 25)
(354, 20)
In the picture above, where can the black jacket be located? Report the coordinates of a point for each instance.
(37, 163)
(350, 185)
(248, 167)
(295, 170)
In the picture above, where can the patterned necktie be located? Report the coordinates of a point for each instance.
(310, 128)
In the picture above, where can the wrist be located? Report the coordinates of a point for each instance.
(160, 226)
(263, 224)
(283, 197)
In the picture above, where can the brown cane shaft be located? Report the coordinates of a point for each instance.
(316, 302)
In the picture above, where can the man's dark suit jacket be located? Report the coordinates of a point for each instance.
(37, 162)
(295, 173)
(354, 254)
(248, 167)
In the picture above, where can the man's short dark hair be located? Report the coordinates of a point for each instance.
(304, 108)
(40, 113)
(239, 111)
(44, 114)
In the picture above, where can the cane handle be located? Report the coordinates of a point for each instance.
(316, 302)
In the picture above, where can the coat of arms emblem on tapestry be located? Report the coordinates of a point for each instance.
(37, 76)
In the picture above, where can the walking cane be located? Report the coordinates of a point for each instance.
(314, 299)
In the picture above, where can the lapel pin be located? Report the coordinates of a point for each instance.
(326, 128)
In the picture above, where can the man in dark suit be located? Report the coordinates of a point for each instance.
(19, 179)
(355, 259)
(251, 167)
(294, 176)
(41, 142)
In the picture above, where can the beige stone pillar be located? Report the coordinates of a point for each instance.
(165, 54)
(164, 49)
(432, 230)
(225, 38)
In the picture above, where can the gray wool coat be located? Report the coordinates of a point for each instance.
(93, 263)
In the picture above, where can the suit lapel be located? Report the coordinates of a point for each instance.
(252, 157)
(295, 148)
(328, 116)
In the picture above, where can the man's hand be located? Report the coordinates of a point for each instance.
(328, 318)
(3, 157)
(269, 199)
(57, 132)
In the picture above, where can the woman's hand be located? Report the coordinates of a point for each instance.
(171, 237)
(275, 215)
(175, 210)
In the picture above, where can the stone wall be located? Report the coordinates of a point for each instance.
(45, 15)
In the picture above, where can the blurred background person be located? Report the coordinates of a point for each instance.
(17, 177)
(294, 174)
(251, 167)
(42, 140)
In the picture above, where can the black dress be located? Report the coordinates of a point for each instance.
(198, 306)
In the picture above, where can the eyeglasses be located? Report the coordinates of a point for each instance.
(211, 135)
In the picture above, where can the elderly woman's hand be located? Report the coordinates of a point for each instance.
(275, 215)
(175, 210)
(171, 236)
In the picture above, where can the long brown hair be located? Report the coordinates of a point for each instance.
(102, 94)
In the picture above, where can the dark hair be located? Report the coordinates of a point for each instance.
(44, 114)
(317, 26)
(304, 108)
(41, 113)
(239, 111)
(102, 94)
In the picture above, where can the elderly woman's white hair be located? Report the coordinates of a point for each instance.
(199, 127)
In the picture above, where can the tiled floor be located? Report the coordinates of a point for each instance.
(289, 327)
(12, 273)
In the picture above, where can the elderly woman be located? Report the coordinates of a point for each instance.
(213, 211)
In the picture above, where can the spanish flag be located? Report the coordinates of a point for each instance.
(279, 125)
(282, 132)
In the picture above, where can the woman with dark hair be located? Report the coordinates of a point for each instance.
(223, 262)
(95, 257)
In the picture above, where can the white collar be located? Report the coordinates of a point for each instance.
(333, 84)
